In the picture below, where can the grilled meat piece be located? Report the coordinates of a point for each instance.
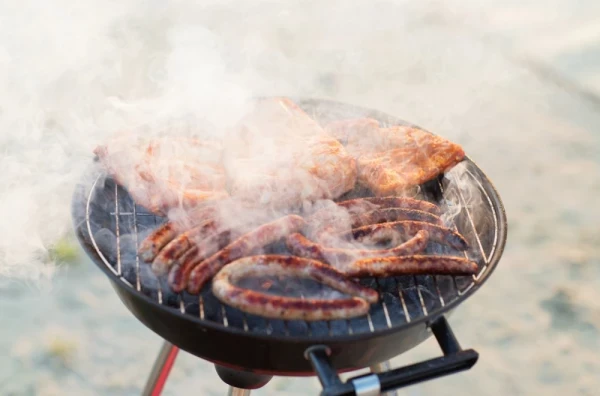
(361, 205)
(436, 233)
(291, 308)
(165, 233)
(394, 214)
(278, 156)
(410, 265)
(392, 161)
(166, 173)
(152, 244)
(200, 251)
(179, 245)
(339, 258)
(243, 246)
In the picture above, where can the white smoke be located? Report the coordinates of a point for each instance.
(74, 74)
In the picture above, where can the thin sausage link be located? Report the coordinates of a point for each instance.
(392, 202)
(301, 246)
(437, 233)
(410, 265)
(244, 245)
(291, 308)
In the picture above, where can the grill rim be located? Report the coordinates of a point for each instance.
(82, 226)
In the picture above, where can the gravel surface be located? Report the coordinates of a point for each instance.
(448, 68)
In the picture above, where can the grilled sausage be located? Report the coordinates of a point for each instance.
(301, 246)
(410, 265)
(180, 272)
(392, 202)
(291, 308)
(179, 245)
(150, 246)
(165, 233)
(244, 245)
(394, 214)
(436, 233)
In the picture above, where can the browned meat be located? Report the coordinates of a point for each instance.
(279, 156)
(165, 233)
(150, 246)
(244, 245)
(179, 245)
(409, 228)
(180, 272)
(410, 265)
(291, 308)
(301, 246)
(394, 214)
(391, 161)
(166, 173)
(362, 205)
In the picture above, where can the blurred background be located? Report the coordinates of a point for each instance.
(517, 83)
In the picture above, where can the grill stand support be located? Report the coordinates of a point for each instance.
(166, 359)
(454, 360)
(161, 369)
(380, 381)
(382, 368)
(238, 392)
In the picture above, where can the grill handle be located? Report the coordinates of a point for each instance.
(454, 360)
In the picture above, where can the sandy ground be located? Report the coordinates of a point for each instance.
(466, 70)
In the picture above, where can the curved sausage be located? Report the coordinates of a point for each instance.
(180, 272)
(437, 233)
(303, 247)
(394, 214)
(291, 308)
(391, 202)
(244, 245)
(165, 233)
(179, 245)
(152, 244)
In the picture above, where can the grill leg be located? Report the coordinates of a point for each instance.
(160, 371)
(238, 392)
(381, 368)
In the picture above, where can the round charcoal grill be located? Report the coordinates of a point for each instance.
(246, 349)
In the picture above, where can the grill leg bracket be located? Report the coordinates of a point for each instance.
(454, 360)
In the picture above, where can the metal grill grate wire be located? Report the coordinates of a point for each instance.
(381, 316)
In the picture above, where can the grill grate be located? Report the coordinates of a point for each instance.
(116, 225)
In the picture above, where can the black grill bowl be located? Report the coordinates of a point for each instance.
(229, 338)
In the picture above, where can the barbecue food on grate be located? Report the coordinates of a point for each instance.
(340, 258)
(279, 156)
(361, 205)
(290, 308)
(166, 173)
(394, 160)
(243, 246)
(437, 233)
(410, 265)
